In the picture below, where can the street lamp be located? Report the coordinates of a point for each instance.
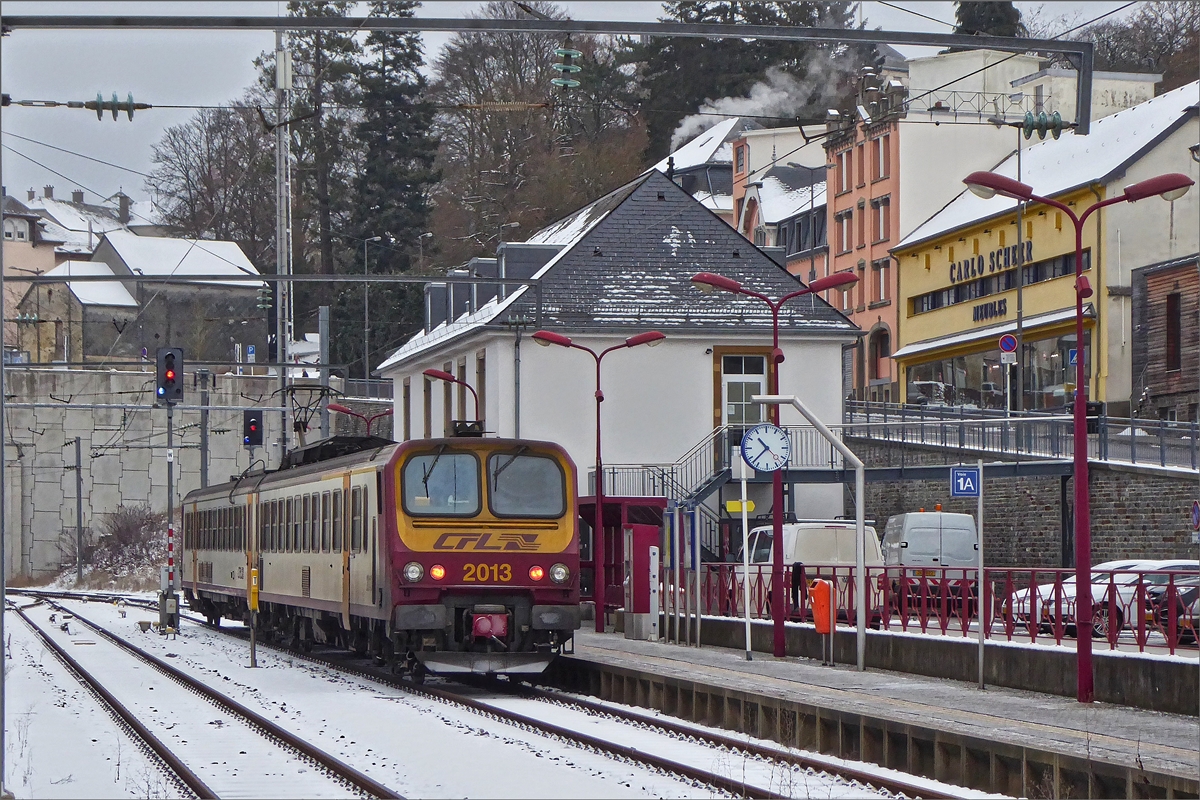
(708, 282)
(439, 375)
(366, 312)
(1170, 187)
(421, 249)
(341, 409)
(650, 339)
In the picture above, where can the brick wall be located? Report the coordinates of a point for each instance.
(1135, 512)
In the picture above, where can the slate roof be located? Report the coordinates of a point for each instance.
(628, 268)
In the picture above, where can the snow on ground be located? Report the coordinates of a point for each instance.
(417, 746)
(60, 741)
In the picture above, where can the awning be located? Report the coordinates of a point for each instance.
(991, 332)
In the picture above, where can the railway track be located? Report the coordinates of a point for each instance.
(227, 757)
(734, 748)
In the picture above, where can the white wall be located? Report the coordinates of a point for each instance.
(1139, 234)
(658, 400)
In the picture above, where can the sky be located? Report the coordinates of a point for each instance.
(196, 68)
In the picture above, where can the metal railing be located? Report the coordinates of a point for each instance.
(368, 389)
(1132, 610)
(1041, 435)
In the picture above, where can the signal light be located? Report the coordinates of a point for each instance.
(437, 572)
(536, 573)
(252, 432)
(169, 386)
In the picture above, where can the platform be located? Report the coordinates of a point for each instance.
(1004, 740)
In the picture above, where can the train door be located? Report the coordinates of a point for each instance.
(342, 533)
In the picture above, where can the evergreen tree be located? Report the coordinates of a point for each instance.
(988, 19)
(392, 186)
(678, 74)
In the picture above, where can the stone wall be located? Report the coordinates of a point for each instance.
(1142, 511)
(124, 459)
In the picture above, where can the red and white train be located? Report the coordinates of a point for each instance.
(450, 555)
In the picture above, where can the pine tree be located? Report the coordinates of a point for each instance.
(392, 186)
(988, 19)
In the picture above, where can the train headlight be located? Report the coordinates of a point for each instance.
(437, 572)
(413, 572)
(560, 573)
(536, 573)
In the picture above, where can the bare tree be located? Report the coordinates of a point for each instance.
(1160, 36)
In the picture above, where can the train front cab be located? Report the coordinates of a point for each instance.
(485, 557)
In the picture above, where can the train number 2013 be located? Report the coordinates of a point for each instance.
(479, 573)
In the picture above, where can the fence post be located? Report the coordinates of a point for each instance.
(1162, 442)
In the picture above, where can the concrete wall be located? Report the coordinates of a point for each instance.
(123, 450)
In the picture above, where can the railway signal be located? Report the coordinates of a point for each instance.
(169, 374)
(252, 432)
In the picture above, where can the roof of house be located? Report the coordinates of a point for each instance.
(158, 255)
(781, 196)
(1054, 167)
(711, 146)
(629, 267)
(68, 222)
(93, 293)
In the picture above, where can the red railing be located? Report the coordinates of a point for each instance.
(1132, 610)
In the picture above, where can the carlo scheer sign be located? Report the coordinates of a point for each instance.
(996, 261)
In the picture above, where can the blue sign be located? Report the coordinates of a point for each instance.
(964, 482)
(250, 350)
(1073, 356)
(1008, 343)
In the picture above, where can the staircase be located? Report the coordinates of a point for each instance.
(691, 480)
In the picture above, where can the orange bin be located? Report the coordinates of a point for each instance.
(820, 596)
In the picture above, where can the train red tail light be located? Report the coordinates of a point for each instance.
(536, 573)
(488, 625)
(437, 572)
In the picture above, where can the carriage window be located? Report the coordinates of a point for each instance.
(525, 486)
(308, 524)
(337, 521)
(273, 522)
(442, 484)
(220, 544)
(285, 519)
(325, 522)
(243, 519)
(356, 520)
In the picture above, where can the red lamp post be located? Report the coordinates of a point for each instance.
(440, 375)
(650, 339)
(708, 282)
(1171, 187)
(341, 409)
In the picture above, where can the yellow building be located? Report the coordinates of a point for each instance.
(958, 271)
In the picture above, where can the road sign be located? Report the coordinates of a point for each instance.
(1073, 356)
(1196, 515)
(1008, 343)
(250, 353)
(964, 482)
(1008, 358)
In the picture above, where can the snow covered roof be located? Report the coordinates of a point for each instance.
(93, 293)
(777, 201)
(1054, 167)
(715, 202)
(69, 222)
(630, 268)
(708, 147)
(158, 255)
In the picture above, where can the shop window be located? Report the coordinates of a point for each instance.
(1174, 332)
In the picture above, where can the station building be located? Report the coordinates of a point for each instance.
(958, 270)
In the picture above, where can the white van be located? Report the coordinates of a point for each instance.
(820, 542)
(932, 539)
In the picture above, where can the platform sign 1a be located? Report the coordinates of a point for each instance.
(964, 482)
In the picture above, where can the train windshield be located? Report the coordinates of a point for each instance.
(442, 484)
(521, 485)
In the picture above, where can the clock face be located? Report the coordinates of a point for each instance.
(766, 448)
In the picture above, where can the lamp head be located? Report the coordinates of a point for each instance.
(1171, 186)
(374, 239)
(1084, 287)
(649, 338)
(836, 279)
(707, 282)
(546, 338)
(338, 407)
(989, 184)
(439, 375)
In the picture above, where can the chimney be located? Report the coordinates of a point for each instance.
(30, 194)
(77, 196)
(48, 192)
(123, 216)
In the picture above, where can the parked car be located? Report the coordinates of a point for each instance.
(1186, 606)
